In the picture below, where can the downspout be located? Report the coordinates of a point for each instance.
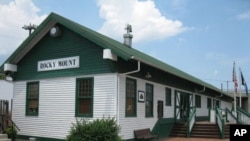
(118, 88)
(138, 68)
(117, 100)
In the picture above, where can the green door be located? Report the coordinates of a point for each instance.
(183, 102)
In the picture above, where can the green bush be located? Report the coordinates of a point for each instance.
(11, 132)
(96, 130)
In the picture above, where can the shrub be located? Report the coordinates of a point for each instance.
(11, 132)
(96, 130)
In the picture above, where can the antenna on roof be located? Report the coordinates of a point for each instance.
(30, 27)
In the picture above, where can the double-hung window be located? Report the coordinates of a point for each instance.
(130, 97)
(149, 100)
(209, 103)
(198, 101)
(84, 97)
(32, 99)
(168, 96)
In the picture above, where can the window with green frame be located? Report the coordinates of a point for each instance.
(168, 97)
(209, 103)
(130, 110)
(149, 100)
(84, 97)
(32, 99)
(216, 103)
(198, 101)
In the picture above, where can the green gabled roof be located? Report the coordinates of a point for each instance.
(116, 47)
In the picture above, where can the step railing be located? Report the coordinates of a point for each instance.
(14, 127)
(230, 117)
(220, 122)
(243, 117)
(191, 120)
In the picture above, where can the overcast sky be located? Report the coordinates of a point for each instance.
(199, 37)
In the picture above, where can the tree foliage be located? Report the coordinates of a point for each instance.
(2, 76)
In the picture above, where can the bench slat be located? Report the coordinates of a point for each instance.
(144, 134)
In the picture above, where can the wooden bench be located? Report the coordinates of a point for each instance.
(144, 135)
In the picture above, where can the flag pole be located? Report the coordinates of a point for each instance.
(240, 82)
(235, 88)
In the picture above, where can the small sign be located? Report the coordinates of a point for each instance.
(141, 96)
(57, 64)
(239, 132)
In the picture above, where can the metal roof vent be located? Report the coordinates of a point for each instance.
(128, 37)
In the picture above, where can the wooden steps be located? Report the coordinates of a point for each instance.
(200, 130)
(205, 130)
(179, 130)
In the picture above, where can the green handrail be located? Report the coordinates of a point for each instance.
(191, 121)
(220, 122)
(229, 113)
(243, 117)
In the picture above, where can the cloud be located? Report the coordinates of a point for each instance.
(13, 16)
(147, 21)
(244, 16)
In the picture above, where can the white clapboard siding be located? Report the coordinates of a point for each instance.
(129, 124)
(57, 105)
(105, 96)
(225, 104)
(203, 110)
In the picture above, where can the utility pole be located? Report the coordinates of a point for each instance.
(30, 28)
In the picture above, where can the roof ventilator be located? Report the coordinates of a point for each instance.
(128, 37)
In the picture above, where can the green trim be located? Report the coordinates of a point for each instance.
(27, 113)
(197, 101)
(163, 127)
(135, 99)
(26, 137)
(168, 96)
(209, 103)
(176, 107)
(151, 86)
(77, 114)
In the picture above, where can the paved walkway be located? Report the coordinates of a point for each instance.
(192, 139)
(179, 139)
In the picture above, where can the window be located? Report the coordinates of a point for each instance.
(32, 99)
(149, 100)
(130, 97)
(209, 103)
(216, 103)
(84, 97)
(198, 101)
(168, 96)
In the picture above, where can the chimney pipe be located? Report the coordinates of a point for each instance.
(128, 37)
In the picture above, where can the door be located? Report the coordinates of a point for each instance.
(177, 106)
(160, 109)
(183, 101)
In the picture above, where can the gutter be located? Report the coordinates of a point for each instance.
(203, 90)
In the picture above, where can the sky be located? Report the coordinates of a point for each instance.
(200, 37)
